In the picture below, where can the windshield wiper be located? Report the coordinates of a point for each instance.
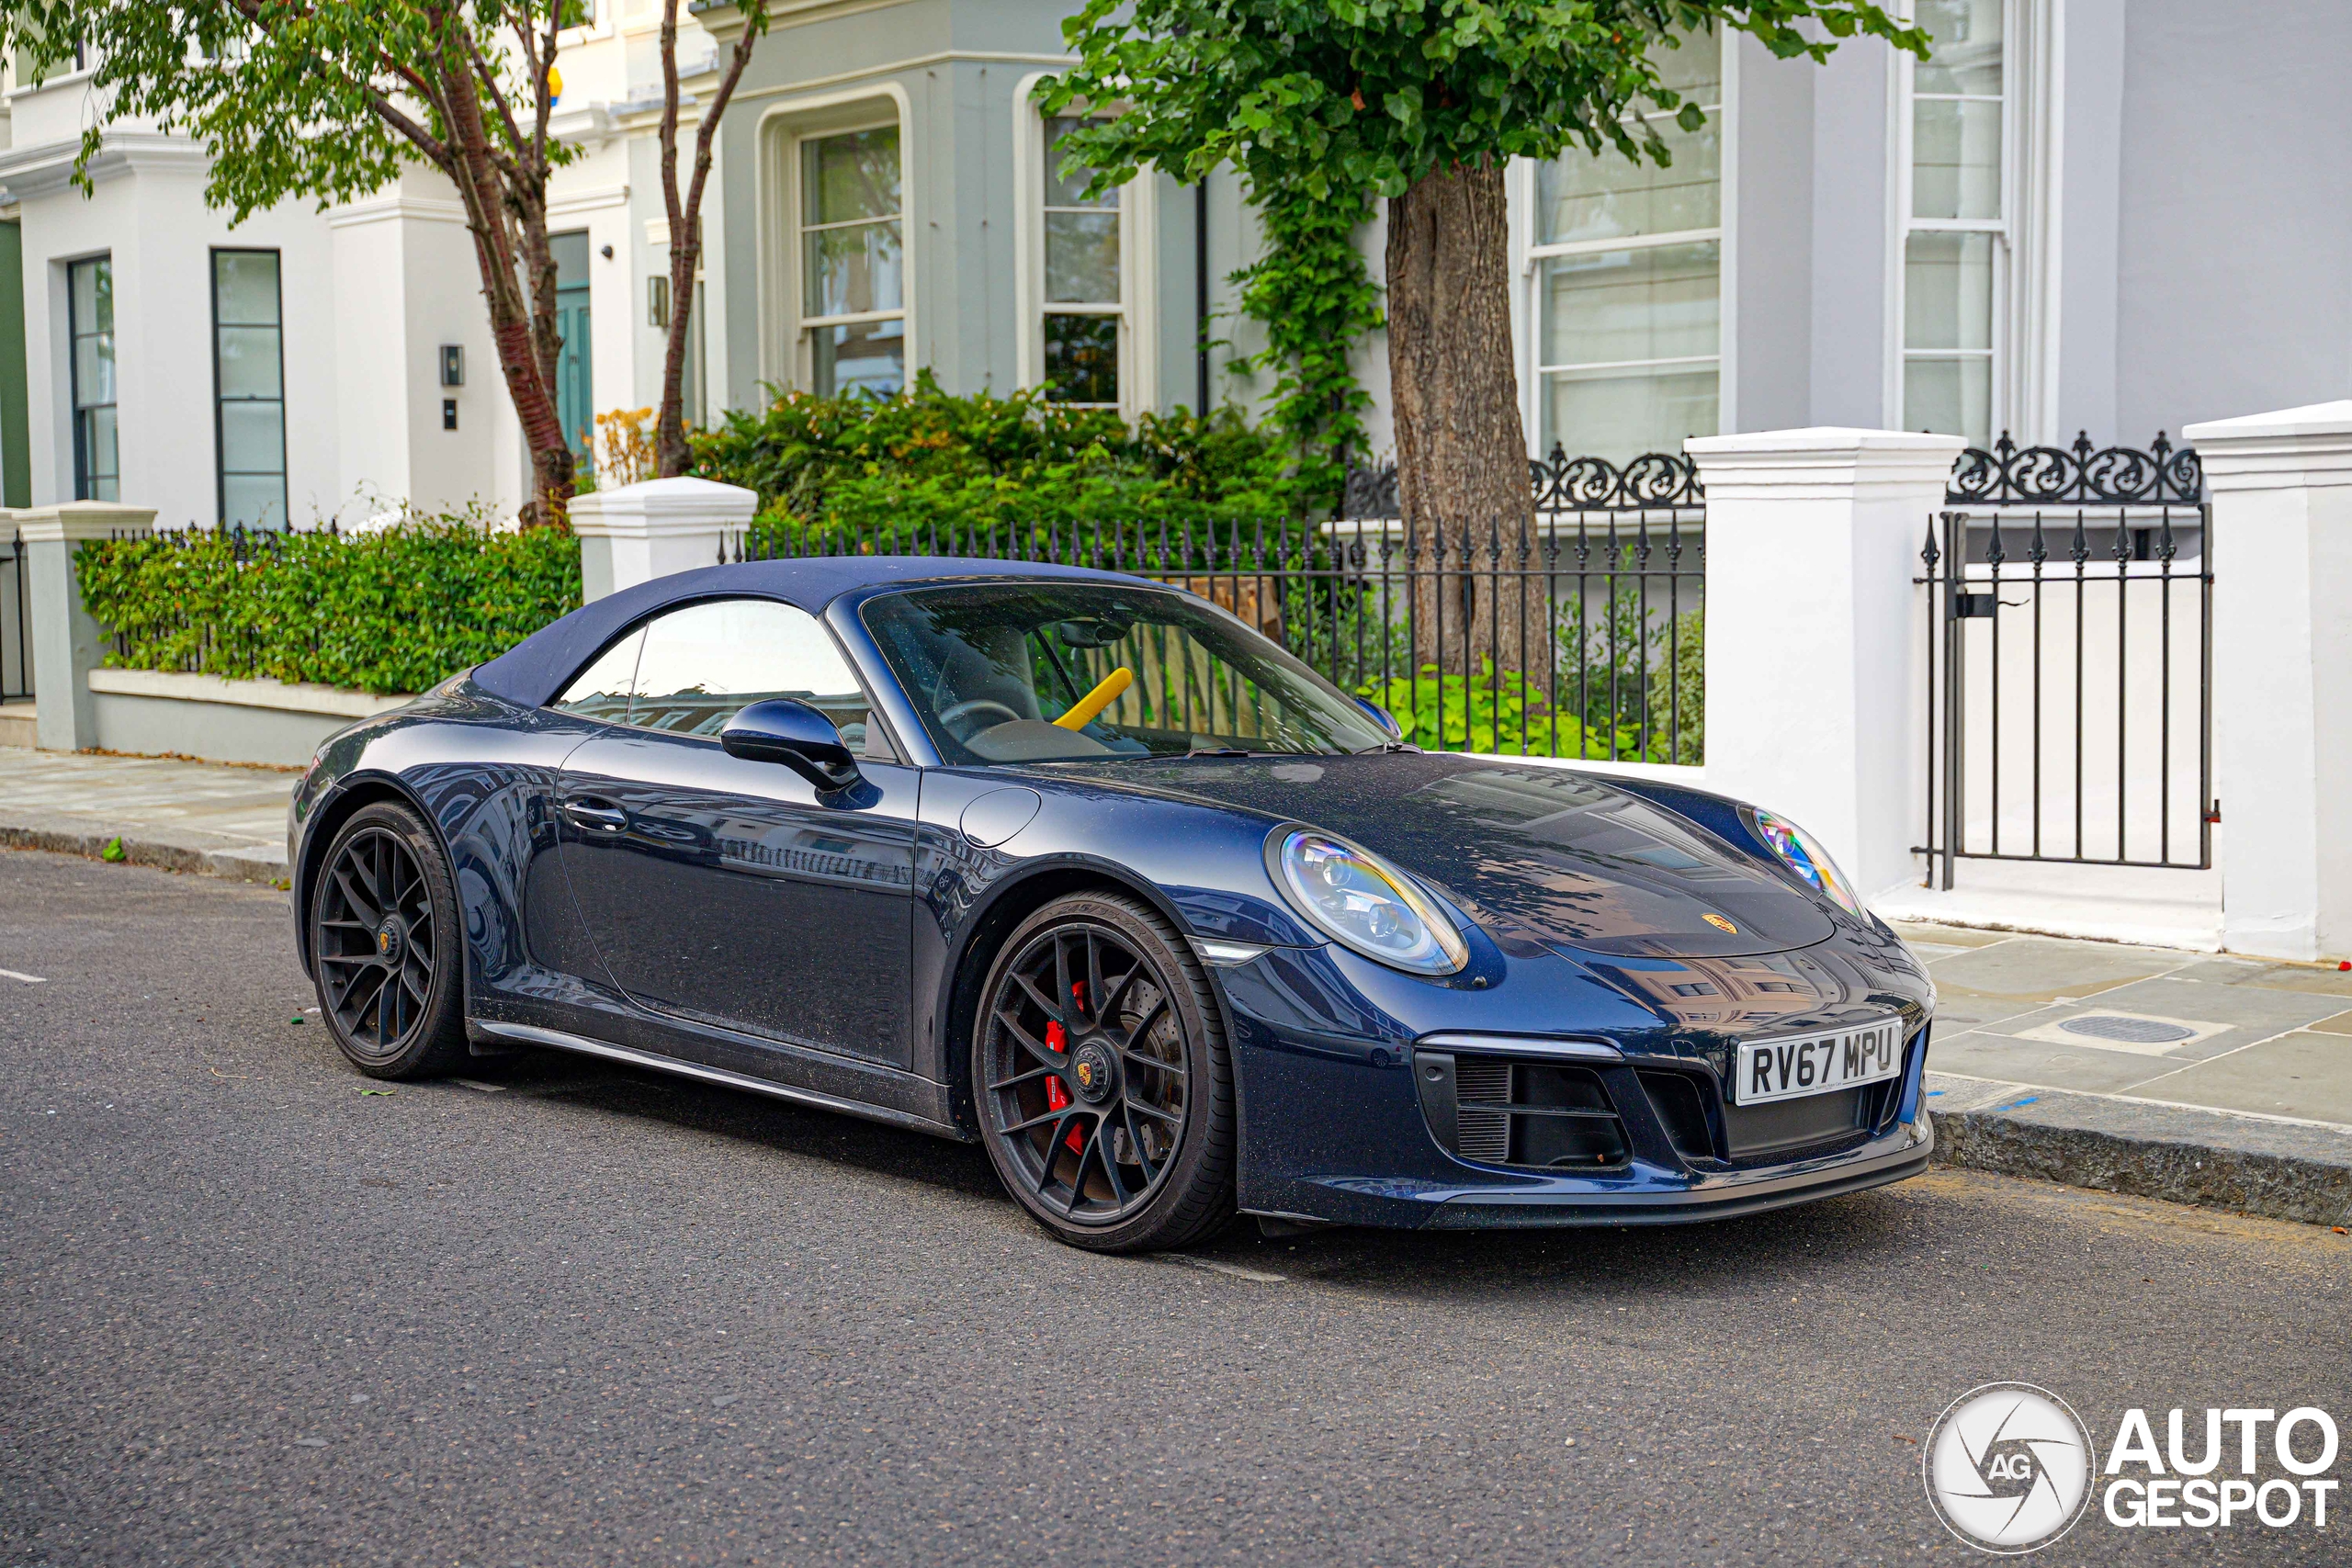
(1225, 752)
(1385, 747)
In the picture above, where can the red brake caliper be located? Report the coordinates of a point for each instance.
(1057, 1097)
(1058, 1041)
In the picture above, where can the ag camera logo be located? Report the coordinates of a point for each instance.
(2008, 1467)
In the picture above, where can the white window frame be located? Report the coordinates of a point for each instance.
(784, 355)
(1529, 304)
(1137, 311)
(2023, 338)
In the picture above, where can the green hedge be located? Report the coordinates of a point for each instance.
(395, 610)
(862, 472)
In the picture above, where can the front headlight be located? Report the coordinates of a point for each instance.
(1361, 902)
(1805, 856)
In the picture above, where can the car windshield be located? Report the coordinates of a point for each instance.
(1071, 671)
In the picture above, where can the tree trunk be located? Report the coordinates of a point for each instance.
(522, 325)
(671, 455)
(1461, 453)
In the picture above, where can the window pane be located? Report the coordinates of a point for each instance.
(703, 664)
(868, 357)
(91, 284)
(252, 438)
(1955, 159)
(1949, 397)
(1061, 192)
(257, 501)
(1082, 258)
(1695, 68)
(1947, 291)
(570, 253)
(853, 270)
(1663, 302)
(1578, 197)
(1082, 359)
(602, 690)
(849, 176)
(100, 462)
(249, 362)
(94, 370)
(244, 288)
(1967, 47)
(1619, 415)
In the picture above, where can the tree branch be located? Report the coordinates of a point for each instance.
(489, 80)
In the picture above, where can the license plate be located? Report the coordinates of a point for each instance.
(1818, 1063)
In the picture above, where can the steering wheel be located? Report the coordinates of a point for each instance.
(971, 709)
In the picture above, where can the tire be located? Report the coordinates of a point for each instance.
(387, 948)
(1090, 1122)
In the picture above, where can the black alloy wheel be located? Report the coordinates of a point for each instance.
(1105, 1097)
(383, 947)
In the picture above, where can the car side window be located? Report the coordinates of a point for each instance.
(703, 664)
(602, 691)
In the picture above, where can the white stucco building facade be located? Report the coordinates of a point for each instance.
(2108, 216)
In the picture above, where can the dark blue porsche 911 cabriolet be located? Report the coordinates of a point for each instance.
(1081, 866)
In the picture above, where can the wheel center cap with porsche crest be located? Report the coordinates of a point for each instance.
(1092, 1069)
(391, 938)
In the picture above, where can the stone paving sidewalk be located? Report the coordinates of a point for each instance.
(2192, 1076)
(2141, 1022)
(2186, 1075)
(181, 815)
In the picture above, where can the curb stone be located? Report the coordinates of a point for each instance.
(2209, 1160)
(237, 862)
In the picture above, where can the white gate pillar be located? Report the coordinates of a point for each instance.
(68, 642)
(1815, 700)
(640, 532)
(2281, 492)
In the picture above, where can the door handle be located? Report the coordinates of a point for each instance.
(596, 815)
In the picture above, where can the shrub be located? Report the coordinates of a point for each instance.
(395, 610)
(858, 473)
(1503, 713)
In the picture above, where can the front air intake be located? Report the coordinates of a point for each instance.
(1520, 1112)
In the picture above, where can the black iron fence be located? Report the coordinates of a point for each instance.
(190, 624)
(2070, 613)
(1580, 636)
(16, 623)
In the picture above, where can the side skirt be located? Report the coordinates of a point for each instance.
(556, 1038)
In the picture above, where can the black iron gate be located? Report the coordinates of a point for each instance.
(2070, 618)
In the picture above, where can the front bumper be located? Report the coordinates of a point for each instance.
(1720, 1199)
(1335, 1125)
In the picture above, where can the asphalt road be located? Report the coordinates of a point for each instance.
(251, 1313)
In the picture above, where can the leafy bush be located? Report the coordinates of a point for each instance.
(1644, 677)
(860, 472)
(1504, 713)
(395, 610)
(1639, 670)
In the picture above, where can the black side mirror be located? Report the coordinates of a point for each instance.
(1383, 717)
(782, 729)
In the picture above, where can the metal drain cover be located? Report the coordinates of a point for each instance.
(2134, 1031)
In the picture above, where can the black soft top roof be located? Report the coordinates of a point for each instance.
(531, 672)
